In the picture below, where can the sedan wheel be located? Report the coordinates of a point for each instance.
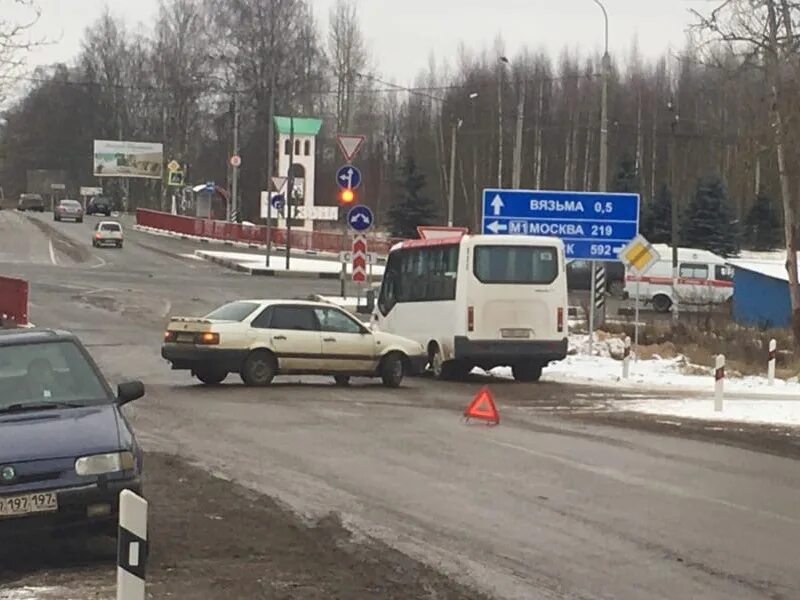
(210, 375)
(259, 368)
(392, 370)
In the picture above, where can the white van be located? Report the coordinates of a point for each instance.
(704, 278)
(479, 300)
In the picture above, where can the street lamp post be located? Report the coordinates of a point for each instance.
(516, 167)
(603, 164)
(452, 186)
(604, 108)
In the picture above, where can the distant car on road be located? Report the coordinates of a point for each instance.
(68, 209)
(579, 276)
(32, 202)
(66, 450)
(99, 206)
(260, 339)
(107, 233)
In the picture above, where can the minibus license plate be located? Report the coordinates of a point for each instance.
(516, 333)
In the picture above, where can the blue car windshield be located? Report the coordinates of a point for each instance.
(48, 373)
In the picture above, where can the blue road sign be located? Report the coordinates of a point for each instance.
(277, 201)
(359, 218)
(348, 177)
(593, 225)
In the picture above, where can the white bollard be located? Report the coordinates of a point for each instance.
(719, 382)
(626, 358)
(131, 546)
(773, 348)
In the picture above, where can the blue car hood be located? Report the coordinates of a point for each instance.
(59, 433)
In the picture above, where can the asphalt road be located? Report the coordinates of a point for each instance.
(538, 507)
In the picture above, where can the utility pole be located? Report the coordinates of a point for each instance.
(517, 170)
(500, 126)
(289, 193)
(603, 182)
(452, 186)
(270, 159)
(234, 203)
(675, 242)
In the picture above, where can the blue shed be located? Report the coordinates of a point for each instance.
(761, 294)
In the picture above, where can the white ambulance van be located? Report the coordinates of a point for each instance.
(704, 278)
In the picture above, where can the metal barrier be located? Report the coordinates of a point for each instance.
(251, 234)
(13, 301)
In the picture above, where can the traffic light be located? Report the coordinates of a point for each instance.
(347, 196)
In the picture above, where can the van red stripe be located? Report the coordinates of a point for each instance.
(719, 283)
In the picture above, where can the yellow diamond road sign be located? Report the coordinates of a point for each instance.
(639, 255)
(173, 165)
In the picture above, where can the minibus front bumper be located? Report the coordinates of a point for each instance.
(508, 352)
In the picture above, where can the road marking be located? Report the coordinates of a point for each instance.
(643, 482)
(102, 262)
(167, 308)
(52, 252)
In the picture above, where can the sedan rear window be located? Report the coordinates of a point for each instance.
(234, 311)
(70, 203)
(110, 227)
(516, 264)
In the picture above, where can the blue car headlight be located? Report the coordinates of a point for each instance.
(99, 464)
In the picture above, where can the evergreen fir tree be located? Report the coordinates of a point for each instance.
(709, 221)
(626, 179)
(413, 207)
(656, 221)
(763, 225)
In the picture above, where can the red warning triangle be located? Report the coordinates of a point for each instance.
(482, 407)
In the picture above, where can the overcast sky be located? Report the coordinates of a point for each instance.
(402, 33)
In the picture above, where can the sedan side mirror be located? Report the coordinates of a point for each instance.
(129, 391)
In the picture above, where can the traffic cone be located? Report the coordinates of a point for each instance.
(483, 408)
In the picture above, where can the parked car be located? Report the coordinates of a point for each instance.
(66, 449)
(579, 276)
(68, 209)
(32, 202)
(99, 206)
(107, 233)
(260, 339)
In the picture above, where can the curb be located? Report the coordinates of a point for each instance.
(205, 240)
(265, 272)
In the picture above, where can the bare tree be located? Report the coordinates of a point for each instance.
(15, 38)
(762, 33)
(348, 56)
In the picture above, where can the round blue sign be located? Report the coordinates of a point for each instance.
(348, 177)
(360, 218)
(277, 202)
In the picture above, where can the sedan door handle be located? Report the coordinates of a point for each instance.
(328, 339)
(279, 337)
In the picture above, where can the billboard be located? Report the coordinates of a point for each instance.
(128, 159)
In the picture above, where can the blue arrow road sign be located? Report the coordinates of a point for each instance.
(277, 201)
(348, 177)
(593, 225)
(359, 218)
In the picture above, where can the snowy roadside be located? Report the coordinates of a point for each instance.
(736, 410)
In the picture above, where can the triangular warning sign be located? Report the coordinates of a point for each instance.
(482, 407)
(350, 145)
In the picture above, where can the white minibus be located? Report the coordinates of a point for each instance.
(478, 300)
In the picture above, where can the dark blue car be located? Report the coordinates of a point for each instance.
(66, 450)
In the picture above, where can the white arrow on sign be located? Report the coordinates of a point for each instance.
(347, 177)
(360, 217)
(496, 204)
(497, 227)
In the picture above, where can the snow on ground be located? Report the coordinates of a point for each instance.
(33, 593)
(278, 263)
(604, 368)
(779, 412)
